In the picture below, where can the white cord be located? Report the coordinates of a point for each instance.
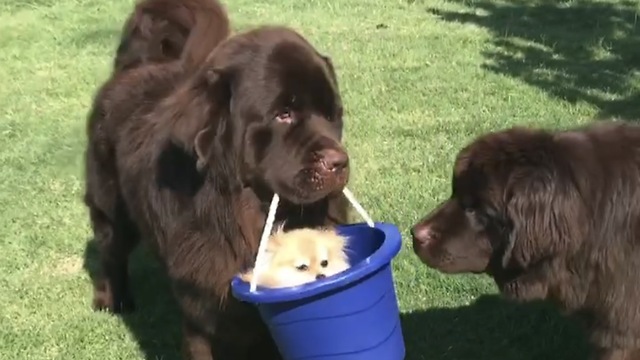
(271, 216)
(359, 208)
(264, 240)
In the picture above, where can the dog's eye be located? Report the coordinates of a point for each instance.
(324, 263)
(302, 267)
(285, 116)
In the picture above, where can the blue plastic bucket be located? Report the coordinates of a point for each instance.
(353, 315)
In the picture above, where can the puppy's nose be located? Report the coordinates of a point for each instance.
(320, 276)
(422, 234)
(333, 159)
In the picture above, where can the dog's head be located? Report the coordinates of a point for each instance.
(513, 203)
(273, 105)
(147, 39)
(301, 256)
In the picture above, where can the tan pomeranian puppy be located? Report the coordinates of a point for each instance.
(301, 256)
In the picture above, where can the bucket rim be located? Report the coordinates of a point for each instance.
(381, 257)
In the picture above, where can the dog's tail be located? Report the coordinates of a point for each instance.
(166, 30)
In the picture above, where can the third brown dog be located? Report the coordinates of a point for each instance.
(549, 215)
(157, 31)
(188, 162)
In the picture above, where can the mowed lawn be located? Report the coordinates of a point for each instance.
(419, 80)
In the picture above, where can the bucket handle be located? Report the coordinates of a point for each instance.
(271, 216)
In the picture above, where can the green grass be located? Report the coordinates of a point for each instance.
(419, 80)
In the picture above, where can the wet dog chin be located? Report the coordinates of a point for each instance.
(309, 187)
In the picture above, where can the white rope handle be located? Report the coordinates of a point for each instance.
(271, 216)
(358, 207)
(264, 240)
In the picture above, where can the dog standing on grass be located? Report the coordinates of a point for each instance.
(549, 215)
(186, 154)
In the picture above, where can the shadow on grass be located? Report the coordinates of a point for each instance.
(488, 329)
(156, 322)
(583, 50)
(493, 329)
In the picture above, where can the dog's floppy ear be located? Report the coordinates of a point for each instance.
(275, 239)
(201, 118)
(545, 210)
(202, 146)
(212, 130)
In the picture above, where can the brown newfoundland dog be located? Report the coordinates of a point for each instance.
(188, 163)
(549, 215)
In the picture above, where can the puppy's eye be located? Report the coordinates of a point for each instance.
(302, 267)
(324, 263)
(285, 116)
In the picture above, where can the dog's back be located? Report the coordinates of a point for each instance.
(151, 73)
(145, 77)
(159, 31)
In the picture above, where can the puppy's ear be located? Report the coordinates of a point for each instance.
(275, 242)
(279, 227)
(247, 276)
(545, 213)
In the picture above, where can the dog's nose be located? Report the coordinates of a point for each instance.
(333, 159)
(320, 276)
(422, 234)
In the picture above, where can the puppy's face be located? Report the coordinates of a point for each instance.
(287, 97)
(302, 256)
(512, 204)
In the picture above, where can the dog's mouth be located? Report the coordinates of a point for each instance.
(304, 180)
(447, 262)
(306, 186)
(315, 183)
(326, 174)
(437, 260)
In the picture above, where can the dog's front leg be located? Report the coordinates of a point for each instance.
(616, 354)
(196, 345)
(529, 286)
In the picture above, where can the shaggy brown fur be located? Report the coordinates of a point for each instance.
(190, 162)
(550, 216)
(158, 30)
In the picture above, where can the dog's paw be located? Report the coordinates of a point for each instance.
(104, 300)
(120, 307)
(615, 354)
